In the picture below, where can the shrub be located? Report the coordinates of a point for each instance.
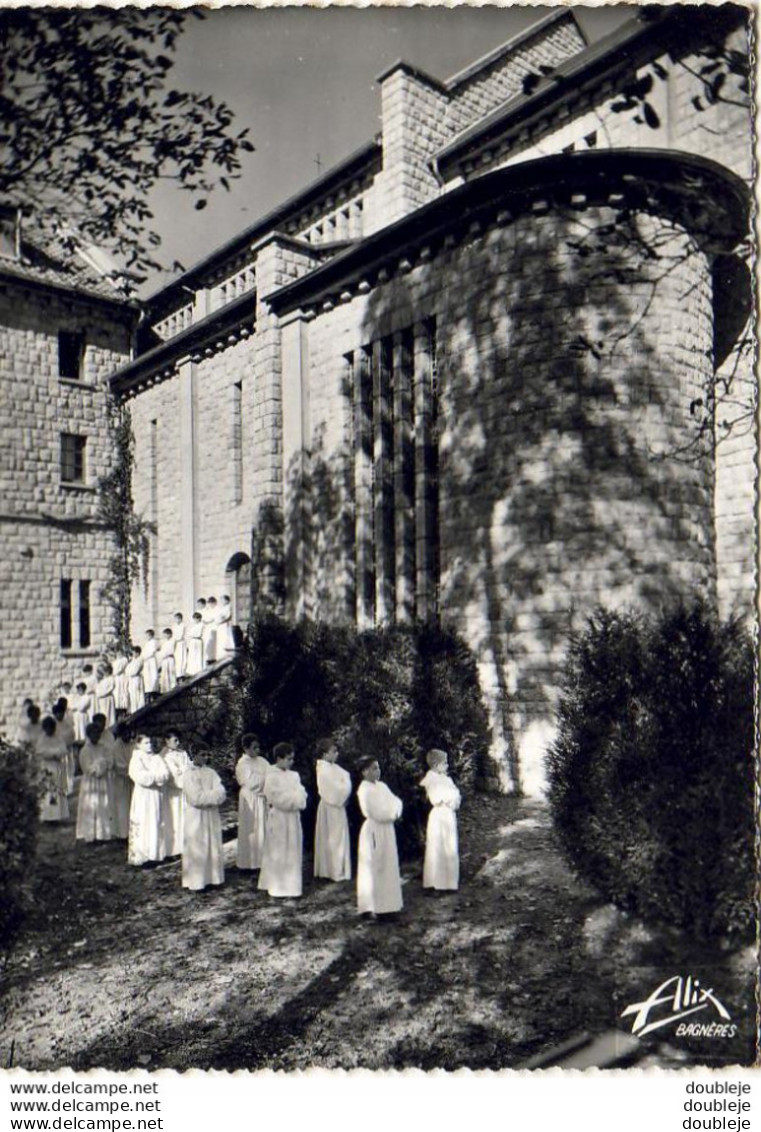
(652, 772)
(392, 693)
(18, 835)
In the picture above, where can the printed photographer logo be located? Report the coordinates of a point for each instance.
(678, 998)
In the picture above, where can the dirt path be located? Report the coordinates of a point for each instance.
(121, 967)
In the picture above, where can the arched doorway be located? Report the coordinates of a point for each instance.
(238, 578)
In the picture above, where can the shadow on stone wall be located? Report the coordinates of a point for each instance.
(572, 345)
(559, 407)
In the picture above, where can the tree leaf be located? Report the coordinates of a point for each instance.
(651, 118)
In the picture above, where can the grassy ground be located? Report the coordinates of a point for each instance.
(121, 967)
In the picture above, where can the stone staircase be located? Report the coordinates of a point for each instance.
(192, 708)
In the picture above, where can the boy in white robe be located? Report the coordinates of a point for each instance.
(332, 853)
(96, 811)
(194, 663)
(251, 773)
(150, 665)
(149, 773)
(379, 886)
(104, 694)
(441, 865)
(178, 762)
(65, 731)
(180, 648)
(281, 873)
(105, 736)
(89, 678)
(225, 643)
(165, 658)
(83, 708)
(121, 686)
(51, 755)
(29, 729)
(134, 674)
(121, 752)
(202, 851)
(210, 631)
(19, 735)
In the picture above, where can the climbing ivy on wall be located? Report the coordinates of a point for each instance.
(129, 562)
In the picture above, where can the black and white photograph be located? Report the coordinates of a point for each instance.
(378, 538)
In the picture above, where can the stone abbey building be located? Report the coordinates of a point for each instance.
(464, 375)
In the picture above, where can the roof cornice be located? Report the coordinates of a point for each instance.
(709, 200)
(237, 318)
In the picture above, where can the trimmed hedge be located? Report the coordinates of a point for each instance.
(392, 693)
(18, 835)
(652, 773)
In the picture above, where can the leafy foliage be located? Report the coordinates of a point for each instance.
(390, 693)
(89, 125)
(652, 776)
(129, 562)
(18, 835)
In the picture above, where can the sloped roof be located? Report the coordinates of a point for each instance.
(45, 261)
(652, 29)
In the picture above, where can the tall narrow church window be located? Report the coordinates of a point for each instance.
(383, 481)
(348, 512)
(84, 614)
(65, 604)
(153, 469)
(364, 486)
(71, 354)
(73, 458)
(393, 396)
(237, 442)
(432, 467)
(153, 482)
(426, 381)
(404, 475)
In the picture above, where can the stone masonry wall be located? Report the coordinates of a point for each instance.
(724, 131)
(156, 495)
(559, 482)
(419, 116)
(191, 710)
(49, 531)
(234, 456)
(489, 87)
(224, 504)
(721, 131)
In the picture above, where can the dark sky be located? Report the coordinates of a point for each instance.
(303, 80)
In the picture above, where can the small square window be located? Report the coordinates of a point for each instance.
(72, 458)
(71, 353)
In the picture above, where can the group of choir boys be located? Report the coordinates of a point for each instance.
(122, 686)
(166, 804)
(183, 651)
